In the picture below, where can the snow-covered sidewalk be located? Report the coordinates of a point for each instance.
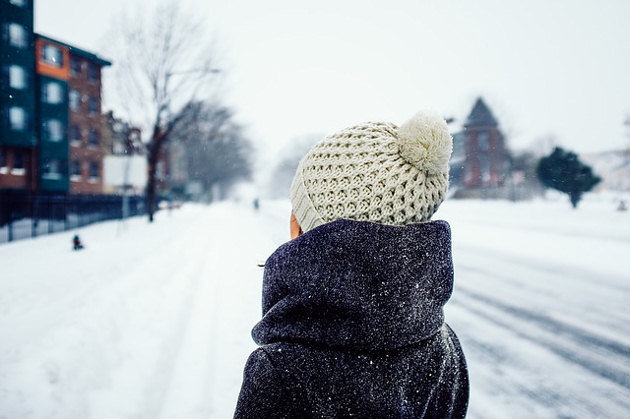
(148, 321)
(154, 320)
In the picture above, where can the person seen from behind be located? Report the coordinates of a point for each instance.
(353, 321)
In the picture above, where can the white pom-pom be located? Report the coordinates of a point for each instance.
(424, 141)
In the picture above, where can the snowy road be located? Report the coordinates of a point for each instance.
(542, 312)
(153, 321)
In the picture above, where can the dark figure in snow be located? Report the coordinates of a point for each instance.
(76, 243)
(353, 322)
(622, 206)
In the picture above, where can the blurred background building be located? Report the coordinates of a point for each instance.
(480, 164)
(125, 157)
(52, 152)
(50, 96)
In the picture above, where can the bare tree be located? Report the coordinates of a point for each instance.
(164, 64)
(217, 151)
(284, 171)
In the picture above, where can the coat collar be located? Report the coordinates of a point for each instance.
(358, 285)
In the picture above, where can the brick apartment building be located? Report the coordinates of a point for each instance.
(50, 94)
(85, 123)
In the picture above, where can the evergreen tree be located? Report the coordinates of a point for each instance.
(562, 170)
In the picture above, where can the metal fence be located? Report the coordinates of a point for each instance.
(24, 215)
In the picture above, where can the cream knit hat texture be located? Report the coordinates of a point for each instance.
(375, 172)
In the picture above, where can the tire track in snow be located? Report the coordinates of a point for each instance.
(181, 271)
(573, 398)
(595, 342)
(547, 287)
(184, 355)
(541, 399)
(569, 273)
(212, 338)
(514, 377)
(542, 229)
(559, 330)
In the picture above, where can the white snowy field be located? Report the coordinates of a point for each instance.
(153, 321)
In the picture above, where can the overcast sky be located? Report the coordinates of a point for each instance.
(546, 67)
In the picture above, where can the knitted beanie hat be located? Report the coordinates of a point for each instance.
(375, 172)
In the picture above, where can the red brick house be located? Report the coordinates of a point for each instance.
(485, 161)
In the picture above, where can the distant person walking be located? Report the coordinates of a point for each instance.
(353, 322)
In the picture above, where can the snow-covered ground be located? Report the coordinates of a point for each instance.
(153, 321)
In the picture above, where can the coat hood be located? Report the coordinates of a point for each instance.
(358, 285)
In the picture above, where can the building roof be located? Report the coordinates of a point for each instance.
(481, 115)
(78, 51)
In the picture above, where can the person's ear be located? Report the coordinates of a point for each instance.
(296, 230)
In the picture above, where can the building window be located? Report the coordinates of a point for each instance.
(17, 35)
(483, 142)
(75, 66)
(74, 98)
(52, 55)
(53, 130)
(93, 106)
(17, 118)
(75, 170)
(74, 134)
(18, 163)
(51, 169)
(17, 77)
(94, 171)
(93, 72)
(19, 3)
(484, 168)
(52, 92)
(3, 162)
(18, 160)
(93, 137)
(118, 148)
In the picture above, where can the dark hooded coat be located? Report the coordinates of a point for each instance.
(353, 326)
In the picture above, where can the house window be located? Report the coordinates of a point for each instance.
(94, 171)
(75, 66)
(51, 169)
(19, 3)
(93, 137)
(484, 167)
(17, 77)
(483, 142)
(17, 35)
(75, 170)
(52, 92)
(17, 118)
(74, 98)
(53, 130)
(52, 55)
(93, 72)
(93, 105)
